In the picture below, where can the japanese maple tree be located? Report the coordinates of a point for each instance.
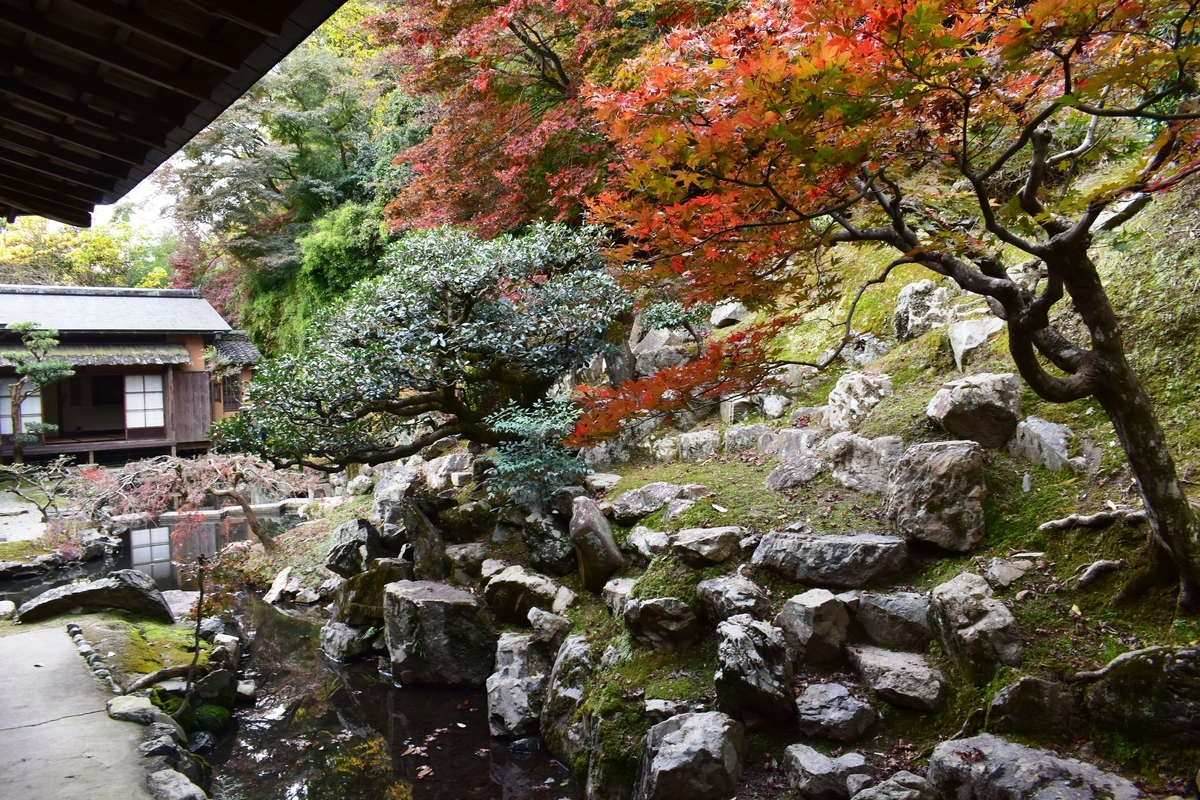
(946, 131)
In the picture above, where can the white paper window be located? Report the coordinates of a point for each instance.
(31, 407)
(144, 401)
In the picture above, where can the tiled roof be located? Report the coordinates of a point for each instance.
(101, 310)
(237, 348)
(91, 355)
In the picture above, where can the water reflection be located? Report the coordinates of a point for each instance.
(321, 731)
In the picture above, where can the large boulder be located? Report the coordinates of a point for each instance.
(936, 495)
(704, 547)
(975, 629)
(895, 620)
(516, 590)
(729, 595)
(921, 307)
(1032, 706)
(645, 545)
(359, 600)
(864, 465)
(791, 474)
(464, 562)
(342, 642)
(741, 438)
(692, 756)
(699, 445)
(816, 776)
(984, 407)
(514, 690)
(666, 624)
(728, 313)
(599, 556)
(355, 544)
(987, 767)
(1044, 443)
(792, 444)
(1151, 694)
(126, 589)
(438, 635)
(548, 542)
(629, 507)
(467, 522)
(969, 336)
(428, 547)
(903, 679)
(814, 624)
(829, 710)
(843, 561)
(570, 677)
(853, 397)
(754, 674)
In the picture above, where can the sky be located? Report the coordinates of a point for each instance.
(151, 208)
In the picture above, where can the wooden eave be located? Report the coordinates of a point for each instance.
(96, 94)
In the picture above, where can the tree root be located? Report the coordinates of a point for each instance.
(1103, 519)
(166, 673)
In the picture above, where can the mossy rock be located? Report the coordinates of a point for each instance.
(211, 718)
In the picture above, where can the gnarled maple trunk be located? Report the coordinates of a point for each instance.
(252, 520)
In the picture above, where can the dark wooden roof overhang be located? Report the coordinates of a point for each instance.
(96, 94)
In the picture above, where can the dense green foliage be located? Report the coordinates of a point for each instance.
(454, 330)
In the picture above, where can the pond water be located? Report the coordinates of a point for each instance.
(323, 731)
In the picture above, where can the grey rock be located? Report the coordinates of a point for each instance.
(856, 783)
(247, 690)
(491, 567)
(167, 784)
(742, 438)
(428, 547)
(699, 446)
(704, 547)
(903, 679)
(936, 495)
(987, 767)
(727, 314)
(843, 561)
(658, 710)
(1032, 706)
(862, 464)
(139, 710)
(1042, 442)
(921, 307)
(342, 642)
(7, 609)
(692, 756)
(729, 595)
(601, 482)
(816, 776)
(853, 398)
(976, 630)
(902, 785)
(360, 485)
(971, 335)
(895, 620)
(665, 624)
(514, 690)
(864, 350)
(829, 710)
(814, 624)
(599, 556)
(792, 444)
(562, 500)
(629, 507)
(516, 590)
(359, 600)
(646, 545)
(467, 522)
(754, 674)
(616, 594)
(464, 562)
(307, 597)
(1151, 694)
(549, 628)
(735, 409)
(126, 589)
(984, 407)
(438, 471)
(664, 450)
(570, 677)
(798, 472)
(548, 542)
(1002, 573)
(438, 635)
(773, 406)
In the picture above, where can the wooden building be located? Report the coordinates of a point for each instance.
(141, 385)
